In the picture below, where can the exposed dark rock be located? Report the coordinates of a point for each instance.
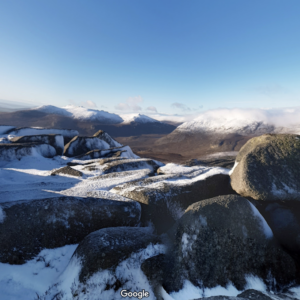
(29, 227)
(269, 168)
(130, 164)
(224, 239)
(223, 162)
(253, 295)
(67, 171)
(94, 154)
(55, 140)
(80, 145)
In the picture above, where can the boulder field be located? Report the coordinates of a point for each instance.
(142, 225)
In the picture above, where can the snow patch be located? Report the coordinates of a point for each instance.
(137, 118)
(35, 276)
(264, 225)
(38, 131)
(235, 165)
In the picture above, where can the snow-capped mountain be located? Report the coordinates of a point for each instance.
(138, 118)
(240, 122)
(81, 113)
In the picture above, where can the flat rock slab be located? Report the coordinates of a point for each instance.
(55, 140)
(67, 170)
(27, 227)
(222, 240)
(268, 168)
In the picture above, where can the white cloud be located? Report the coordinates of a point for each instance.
(180, 106)
(131, 104)
(278, 117)
(152, 108)
(88, 103)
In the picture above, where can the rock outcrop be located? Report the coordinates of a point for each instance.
(55, 140)
(80, 145)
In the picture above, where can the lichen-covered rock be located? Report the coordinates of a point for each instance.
(80, 145)
(27, 227)
(222, 240)
(55, 140)
(268, 168)
(164, 198)
(67, 170)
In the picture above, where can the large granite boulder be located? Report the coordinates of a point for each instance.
(55, 140)
(222, 240)
(268, 168)
(284, 220)
(80, 145)
(15, 151)
(106, 262)
(164, 198)
(26, 227)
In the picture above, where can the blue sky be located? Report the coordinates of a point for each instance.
(130, 55)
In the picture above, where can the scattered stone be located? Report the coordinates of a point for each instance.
(67, 171)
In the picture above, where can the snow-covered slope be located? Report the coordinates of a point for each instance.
(81, 113)
(226, 124)
(242, 121)
(138, 118)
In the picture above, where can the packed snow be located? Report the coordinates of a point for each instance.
(82, 113)
(264, 225)
(137, 118)
(35, 277)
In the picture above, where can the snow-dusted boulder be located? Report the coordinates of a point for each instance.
(55, 140)
(106, 262)
(13, 151)
(164, 198)
(26, 227)
(222, 240)
(80, 144)
(268, 168)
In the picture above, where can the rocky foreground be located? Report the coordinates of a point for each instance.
(156, 231)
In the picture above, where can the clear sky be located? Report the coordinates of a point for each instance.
(130, 55)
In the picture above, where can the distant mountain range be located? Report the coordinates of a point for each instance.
(86, 121)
